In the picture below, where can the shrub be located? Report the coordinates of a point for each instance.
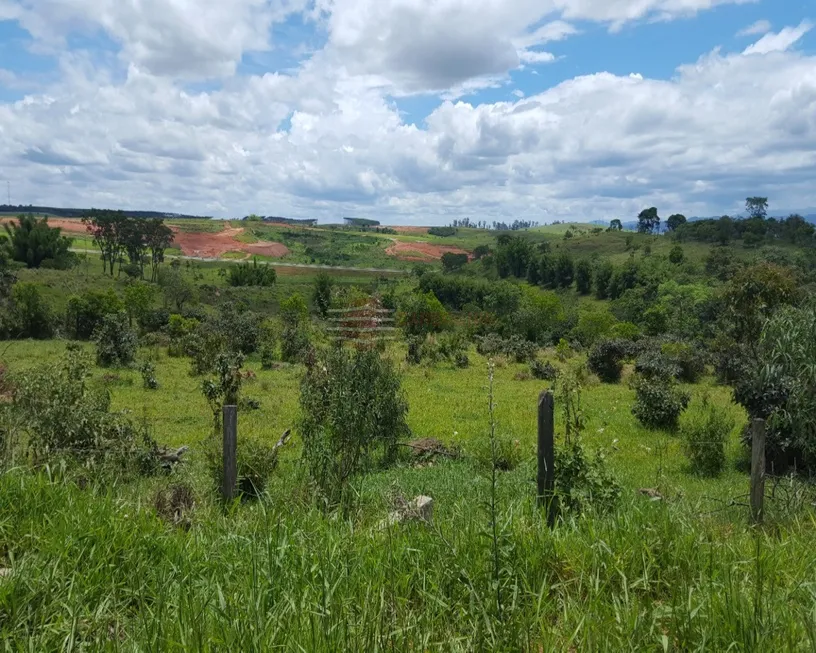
(624, 331)
(322, 293)
(676, 255)
(543, 371)
(421, 314)
(148, 372)
(255, 462)
(688, 359)
(658, 402)
(780, 386)
(606, 359)
(295, 340)
(353, 415)
(653, 364)
(31, 315)
(239, 328)
(225, 389)
(63, 416)
(452, 262)
(582, 482)
(85, 312)
(593, 325)
(705, 429)
(33, 242)
(116, 343)
(245, 274)
(154, 320)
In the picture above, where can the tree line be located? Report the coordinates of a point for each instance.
(118, 236)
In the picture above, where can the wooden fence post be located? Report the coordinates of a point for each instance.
(230, 452)
(546, 455)
(757, 470)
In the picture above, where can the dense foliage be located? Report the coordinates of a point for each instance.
(33, 242)
(245, 274)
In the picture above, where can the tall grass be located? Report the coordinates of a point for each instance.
(97, 568)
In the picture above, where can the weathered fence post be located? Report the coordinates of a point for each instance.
(546, 455)
(757, 470)
(230, 452)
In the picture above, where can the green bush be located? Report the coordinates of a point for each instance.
(658, 402)
(606, 359)
(63, 416)
(353, 413)
(31, 315)
(295, 336)
(33, 242)
(322, 293)
(653, 364)
(779, 385)
(245, 274)
(85, 312)
(705, 429)
(421, 314)
(148, 371)
(116, 342)
(689, 360)
(543, 371)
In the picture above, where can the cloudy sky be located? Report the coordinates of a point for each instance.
(409, 111)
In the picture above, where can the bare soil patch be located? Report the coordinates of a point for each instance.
(194, 243)
(408, 230)
(421, 251)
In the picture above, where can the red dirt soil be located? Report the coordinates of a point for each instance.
(421, 251)
(201, 244)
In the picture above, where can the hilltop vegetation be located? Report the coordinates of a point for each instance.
(659, 350)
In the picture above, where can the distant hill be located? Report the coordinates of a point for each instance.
(78, 213)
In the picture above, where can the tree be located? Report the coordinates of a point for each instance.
(756, 207)
(583, 277)
(616, 225)
(33, 242)
(138, 299)
(177, 290)
(134, 244)
(513, 256)
(603, 275)
(564, 270)
(675, 221)
(481, 251)
(753, 295)
(322, 293)
(648, 221)
(158, 237)
(452, 262)
(725, 229)
(107, 229)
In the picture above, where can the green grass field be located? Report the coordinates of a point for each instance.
(92, 561)
(98, 568)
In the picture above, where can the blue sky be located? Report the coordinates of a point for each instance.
(409, 110)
